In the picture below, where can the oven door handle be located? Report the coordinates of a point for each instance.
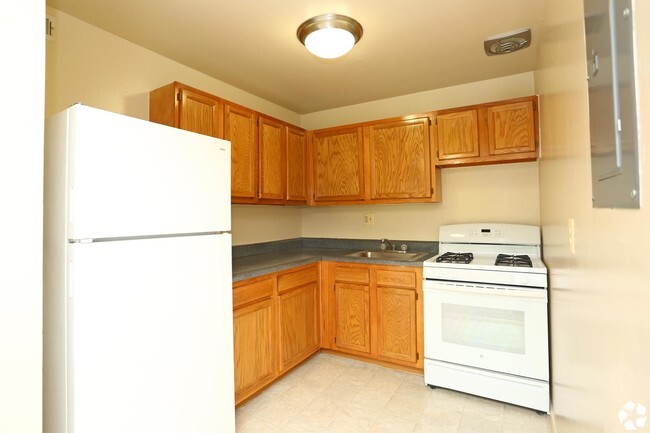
(490, 290)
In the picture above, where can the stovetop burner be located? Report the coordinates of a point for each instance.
(513, 260)
(455, 258)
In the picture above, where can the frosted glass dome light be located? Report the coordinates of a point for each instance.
(329, 36)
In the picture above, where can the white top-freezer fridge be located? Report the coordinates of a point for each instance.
(137, 277)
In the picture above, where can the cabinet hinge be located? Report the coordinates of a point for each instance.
(429, 119)
(436, 120)
(178, 97)
(416, 295)
(258, 121)
(334, 340)
(417, 356)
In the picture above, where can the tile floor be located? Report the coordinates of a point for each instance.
(330, 394)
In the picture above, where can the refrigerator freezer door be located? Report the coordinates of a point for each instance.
(129, 177)
(150, 344)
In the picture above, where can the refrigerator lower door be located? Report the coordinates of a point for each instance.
(150, 336)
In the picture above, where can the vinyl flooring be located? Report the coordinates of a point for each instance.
(331, 394)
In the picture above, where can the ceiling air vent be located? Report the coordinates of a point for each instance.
(507, 43)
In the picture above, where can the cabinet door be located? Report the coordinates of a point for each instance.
(511, 128)
(396, 324)
(299, 324)
(338, 165)
(241, 129)
(400, 163)
(352, 317)
(253, 343)
(272, 160)
(457, 135)
(296, 165)
(199, 113)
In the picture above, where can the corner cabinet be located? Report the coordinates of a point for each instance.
(297, 164)
(374, 312)
(493, 133)
(276, 326)
(338, 165)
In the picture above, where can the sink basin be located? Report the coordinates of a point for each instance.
(401, 256)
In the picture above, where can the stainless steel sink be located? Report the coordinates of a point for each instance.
(401, 256)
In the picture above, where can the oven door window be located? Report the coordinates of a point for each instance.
(484, 328)
(498, 329)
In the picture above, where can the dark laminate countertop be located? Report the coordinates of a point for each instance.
(260, 259)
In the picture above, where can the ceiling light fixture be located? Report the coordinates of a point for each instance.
(329, 36)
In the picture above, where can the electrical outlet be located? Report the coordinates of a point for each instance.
(572, 236)
(368, 219)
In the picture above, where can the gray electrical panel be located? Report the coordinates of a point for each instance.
(612, 103)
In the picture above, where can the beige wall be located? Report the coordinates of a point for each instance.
(599, 296)
(495, 193)
(21, 218)
(448, 97)
(86, 64)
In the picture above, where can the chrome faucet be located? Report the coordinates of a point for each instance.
(387, 241)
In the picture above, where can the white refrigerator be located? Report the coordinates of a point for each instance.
(137, 277)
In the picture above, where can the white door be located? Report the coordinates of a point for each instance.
(495, 328)
(130, 177)
(150, 344)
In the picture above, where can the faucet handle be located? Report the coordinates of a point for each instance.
(383, 245)
(403, 247)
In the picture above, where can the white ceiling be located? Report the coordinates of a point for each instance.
(408, 46)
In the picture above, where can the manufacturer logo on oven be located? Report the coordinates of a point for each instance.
(632, 415)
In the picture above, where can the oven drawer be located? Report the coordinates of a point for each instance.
(496, 328)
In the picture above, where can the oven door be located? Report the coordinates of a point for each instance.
(498, 328)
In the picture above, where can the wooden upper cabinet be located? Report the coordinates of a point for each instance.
(272, 159)
(492, 133)
(338, 158)
(296, 157)
(511, 128)
(199, 113)
(240, 126)
(186, 108)
(400, 163)
(457, 134)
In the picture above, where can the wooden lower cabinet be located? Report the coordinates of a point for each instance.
(378, 316)
(396, 324)
(254, 346)
(299, 324)
(276, 326)
(352, 317)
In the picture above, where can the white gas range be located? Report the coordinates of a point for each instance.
(485, 314)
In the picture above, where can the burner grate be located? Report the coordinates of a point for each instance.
(513, 260)
(455, 258)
